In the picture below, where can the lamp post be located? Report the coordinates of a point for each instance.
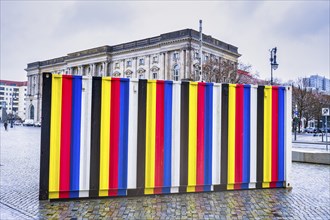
(13, 96)
(273, 63)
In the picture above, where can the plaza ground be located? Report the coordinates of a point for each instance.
(19, 171)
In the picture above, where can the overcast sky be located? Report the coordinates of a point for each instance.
(40, 30)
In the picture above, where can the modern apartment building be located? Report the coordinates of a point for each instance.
(12, 98)
(319, 83)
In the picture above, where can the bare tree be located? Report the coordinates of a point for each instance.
(225, 71)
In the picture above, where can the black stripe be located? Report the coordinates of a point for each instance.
(45, 135)
(141, 132)
(260, 135)
(224, 134)
(184, 136)
(95, 137)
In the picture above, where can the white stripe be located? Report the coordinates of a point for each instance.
(132, 134)
(176, 111)
(253, 135)
(287, 134)
(216, 135)
(85, 135)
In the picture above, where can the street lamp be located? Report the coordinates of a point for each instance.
(273, 63)
(13, 96)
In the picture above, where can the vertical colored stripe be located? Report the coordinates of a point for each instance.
(231, 135)
(200, 136)
(85, 137)
(75, 136)
(246, 136)
(95, 137)
(168, 136)
(45, 136)
(239, 135)
(159, 142)
(105, 136)
(267, 136)
(281, 131)
(260, 135)
(65, 136)
(208, 125)
(184, 125)
(114, 139)
(55, 136)
(123, 137)
(150, 137)
(224, 138)
(141, 137)
(192, 137)
(274, 169)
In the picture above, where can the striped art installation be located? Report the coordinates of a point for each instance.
(104, 137)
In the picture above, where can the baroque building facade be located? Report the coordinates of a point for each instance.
(170, 56)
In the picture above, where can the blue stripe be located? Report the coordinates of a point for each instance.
(123, 137)
(246, 136)
(208, 121)
(75, 136)
(168, 85)
(281, 131)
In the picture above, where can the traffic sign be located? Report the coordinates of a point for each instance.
(325, 112)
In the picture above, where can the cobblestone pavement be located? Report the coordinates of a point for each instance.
(19, 170)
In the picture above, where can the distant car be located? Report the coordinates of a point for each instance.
(17, 123)
(28, 122)
(313, 130)
(37, 124)
(325, 130)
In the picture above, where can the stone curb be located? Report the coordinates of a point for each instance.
(311, 157)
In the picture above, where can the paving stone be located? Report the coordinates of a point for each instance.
(309, 198)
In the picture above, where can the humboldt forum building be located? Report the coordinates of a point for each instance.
(169, 56)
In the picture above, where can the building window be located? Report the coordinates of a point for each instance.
(31, 112)
(216, 60)
(206, 58)
(176, 56)
(196, 55)
(128, 63)
(141, 61)
(154, 76)
(116, 65)
(176, 73)
(141, 76)
(155, 59)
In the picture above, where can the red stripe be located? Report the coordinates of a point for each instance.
(114, 136)
(274, 136)
(159, 142)
(65, 136)
(239, 135)
(200, 137)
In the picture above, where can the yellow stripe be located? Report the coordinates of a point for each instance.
(231, 133)
(230, 186)
(105, 136)
(55, 137)
(150, 137)
(267, 134)
(192, 137)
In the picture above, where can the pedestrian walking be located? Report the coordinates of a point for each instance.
(6, 125)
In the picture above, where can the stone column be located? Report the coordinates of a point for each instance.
(182, 64)
(135, 63)
(105, 68)
(166, 66)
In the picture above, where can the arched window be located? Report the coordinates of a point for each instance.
(31, 112)
(176, 73)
